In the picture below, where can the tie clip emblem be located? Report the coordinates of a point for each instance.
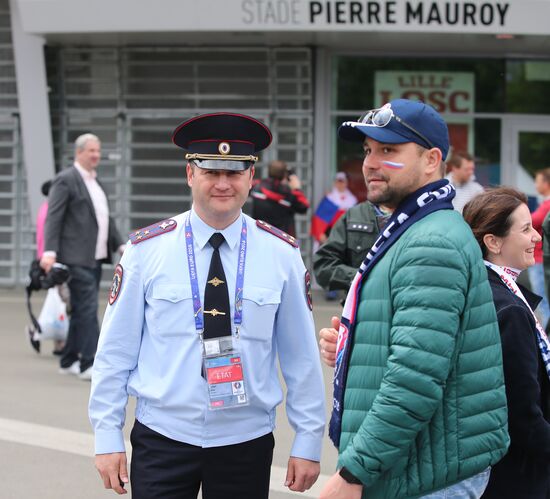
(214, 312)
(215, 282)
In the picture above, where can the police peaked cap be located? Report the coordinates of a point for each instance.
(222, 141)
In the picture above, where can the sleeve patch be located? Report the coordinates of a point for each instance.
(278, 233)
(116, 285)
(153, 230)
(309, 297)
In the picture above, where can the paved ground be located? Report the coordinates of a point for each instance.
(46, 441)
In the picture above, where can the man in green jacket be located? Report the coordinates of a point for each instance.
(419, 404)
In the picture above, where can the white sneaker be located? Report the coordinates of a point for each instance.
(86, 375)
(74, 368)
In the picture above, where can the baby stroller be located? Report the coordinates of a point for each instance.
(53, 322)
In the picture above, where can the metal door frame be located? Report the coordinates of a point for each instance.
(512, 126)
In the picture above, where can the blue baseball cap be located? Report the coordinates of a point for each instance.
(398, 122)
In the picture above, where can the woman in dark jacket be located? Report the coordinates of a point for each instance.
(501, 223)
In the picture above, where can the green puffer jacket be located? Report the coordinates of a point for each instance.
(424, 404)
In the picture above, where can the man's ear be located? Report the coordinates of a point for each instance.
(252, 172)
(492, 243)
(189, 170)
(433, 160)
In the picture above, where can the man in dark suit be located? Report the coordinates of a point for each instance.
(80, 233)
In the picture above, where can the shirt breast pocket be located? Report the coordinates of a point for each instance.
(172, 307)
(260, 306)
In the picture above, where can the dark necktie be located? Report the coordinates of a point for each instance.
(217, 314)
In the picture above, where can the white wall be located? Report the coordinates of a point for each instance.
(107, 16)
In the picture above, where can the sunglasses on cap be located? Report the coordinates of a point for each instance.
(382, 116)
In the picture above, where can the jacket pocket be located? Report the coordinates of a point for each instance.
(172, 308)
(260, 306)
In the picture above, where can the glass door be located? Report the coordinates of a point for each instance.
(525, 149)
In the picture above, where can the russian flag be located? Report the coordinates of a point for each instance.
(325, 216)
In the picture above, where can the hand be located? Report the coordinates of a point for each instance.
(46, 262)
(294, 182)
(113, 471)
(338, 488)
(301, 474)
(328, 337)
(323, 238)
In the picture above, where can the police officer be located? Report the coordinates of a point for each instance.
(336, 262)
(202, 307)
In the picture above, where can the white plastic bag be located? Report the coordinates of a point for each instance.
(53, 319)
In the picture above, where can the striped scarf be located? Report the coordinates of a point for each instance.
(432, 197)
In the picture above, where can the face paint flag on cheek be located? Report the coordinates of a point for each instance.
(392, 165)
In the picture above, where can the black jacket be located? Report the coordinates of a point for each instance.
(337, 260)
(275, 202)
(71, 224)
(524, 472)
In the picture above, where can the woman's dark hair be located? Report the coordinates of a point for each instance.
(491, 212)
(46, 187)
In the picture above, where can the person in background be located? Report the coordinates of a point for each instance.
(204, 310)
(536, 271)
(278, 197)
(336, 261)
(335, 203)
(331, 208)
(41, 219)
(546, 257)
(40, 223)
(81, 234)
(462, 178)
(501, 223)
(419, 406)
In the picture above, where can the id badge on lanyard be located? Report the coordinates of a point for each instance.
(222, 364)
(223, 371)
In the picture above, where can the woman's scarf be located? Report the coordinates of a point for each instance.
(508, 276)
(432, 197)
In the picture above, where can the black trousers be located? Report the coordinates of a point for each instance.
(163, 468)
(83, 326)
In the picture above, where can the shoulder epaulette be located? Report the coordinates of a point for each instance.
(153, 230)
(277, 232)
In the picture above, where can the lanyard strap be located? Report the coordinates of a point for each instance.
(239, 284)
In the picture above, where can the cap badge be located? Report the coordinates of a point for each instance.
(224, 148)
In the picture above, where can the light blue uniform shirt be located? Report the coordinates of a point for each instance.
(149, 347)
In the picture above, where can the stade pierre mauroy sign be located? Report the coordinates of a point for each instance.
(474, 16)
(391, 13)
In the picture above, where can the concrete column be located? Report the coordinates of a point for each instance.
(32, 92)
(322, 153)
